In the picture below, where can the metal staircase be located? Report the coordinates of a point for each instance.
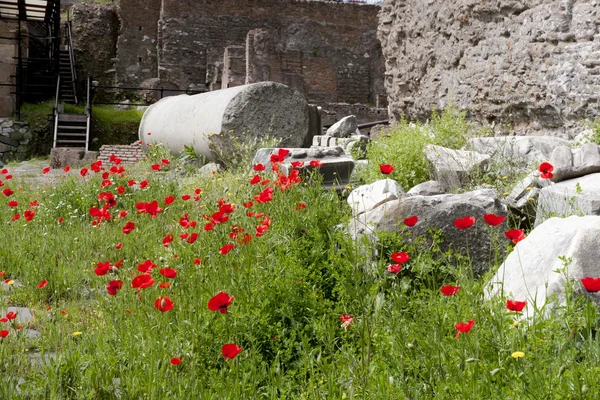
(70, 130)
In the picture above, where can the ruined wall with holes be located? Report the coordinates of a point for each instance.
(328, 51)
(533, 65)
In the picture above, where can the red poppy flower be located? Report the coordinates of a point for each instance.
(185, 197)
(102, 268)
(464, 223)
(4, 171)
(546, 170)
(130, 182)
(220, 302)
(230, 351)
(29, 214)
(60, 220)
(169, 200)
(299, 206)
(11, 315)
(259, 167)
(297, 164)
(156, 167)
(2, 274)
(411, 221)
(591, 284)
(164, 161)
(209, 227)
(42, 284)
(83, 171)
(128, 228)
(265, 196)
(168, 273)
(514, 305)
(33, 203)
(8, 192)
(449, 290)
(143, 184)
(96, 166)
(516, 235)
(8, 177)
(175, 361)
(118, 246)
(400, 257)
(164, 285)
(255, 179)
(46, 170)
(493, 220)
(248, 204)
(13, 203)
(106, 183)
(168, 239)
(462, 327)
(386, 169)
(164, 304)
(123, 214)
(146, 267)
(105, 175)
(67, 168)
(394, 268)
(4, 333)
(142, 281)
(226, 249)
(16, 217)
(347, 320)
(197, 261)
(193, 237)
(113, 287)
(316, 163)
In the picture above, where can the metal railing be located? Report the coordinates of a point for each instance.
(55, 111)
(88, 112)
(71, 59)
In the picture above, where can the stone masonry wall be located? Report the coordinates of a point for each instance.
(95, 33)
(8, 69)
(531, 64)
(181, 40)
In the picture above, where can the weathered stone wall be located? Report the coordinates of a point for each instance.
(532, 64)
(137, 43)
(14, 138)
(329, 48)
(8, 68)
(95, 33)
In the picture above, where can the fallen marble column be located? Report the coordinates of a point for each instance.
(211, 122)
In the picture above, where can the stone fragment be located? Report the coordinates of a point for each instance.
(429, 188)
(343, 128)
(571, 163)
(367, 197)
(524, 150)
(579, 196)
(212, 122)
(60, 157)
(453, 168)
(537, 268)
(439, 212)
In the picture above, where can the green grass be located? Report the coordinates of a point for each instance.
(109, 126)
(291, 285)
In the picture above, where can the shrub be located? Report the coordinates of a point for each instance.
(404, 146)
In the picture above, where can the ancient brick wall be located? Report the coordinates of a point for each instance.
(137, 43)
(329, 51)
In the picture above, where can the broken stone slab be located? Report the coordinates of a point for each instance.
(60, 157)
(535, 270)
(345, 127)
(429, 188)
(526, 150)
(453, 168)
(24, 314)
(439, 212)
(524, 195)
(572, 163)
(579, 196)
(367, 197)
(212, 122)
(336, 166)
